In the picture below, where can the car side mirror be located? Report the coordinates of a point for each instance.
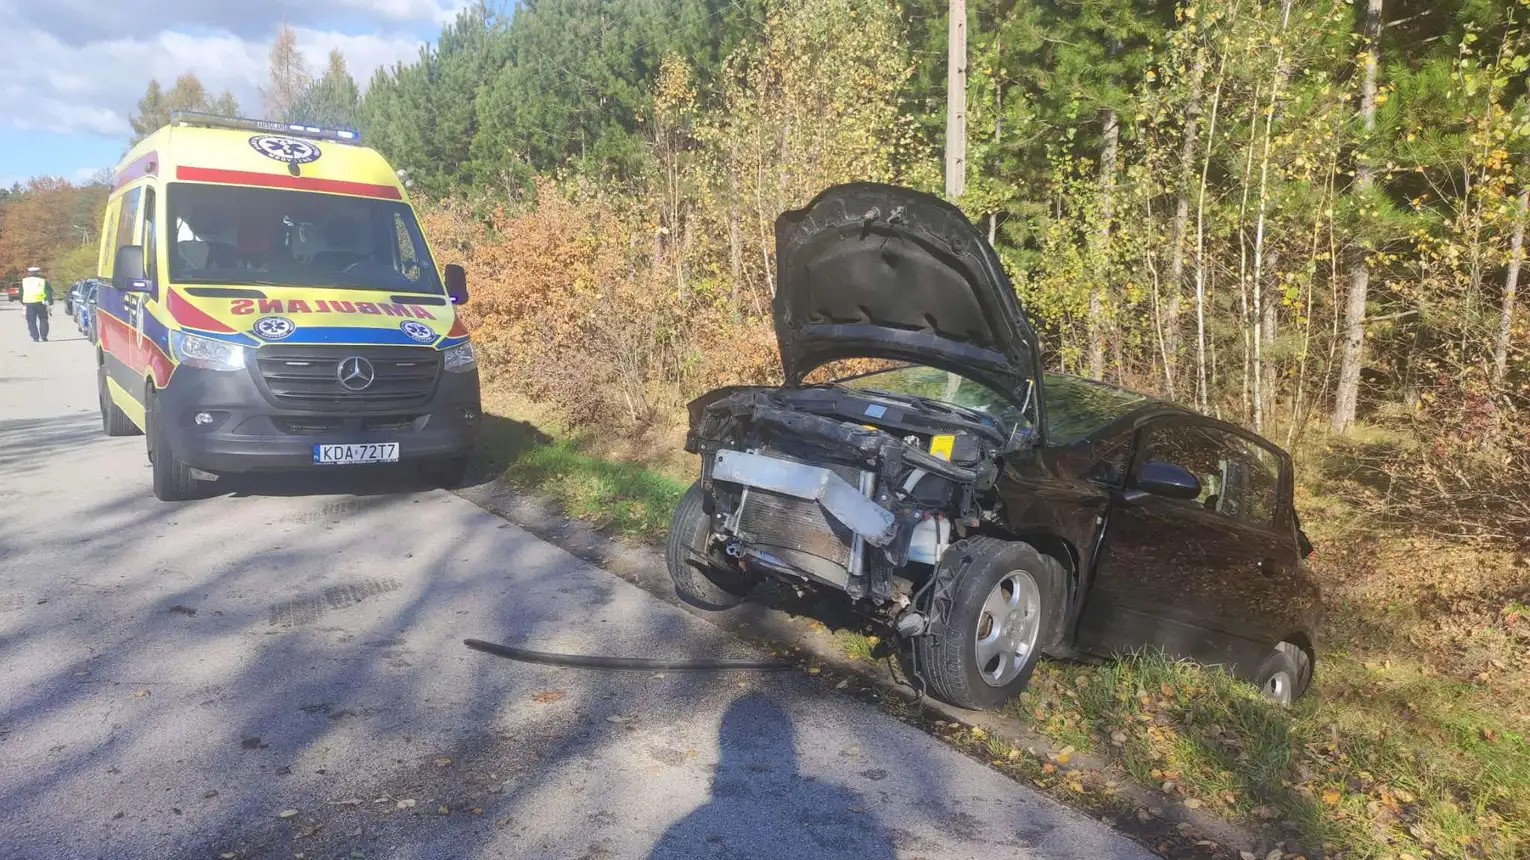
(1168, 480)
(128, 270)
(456, 283)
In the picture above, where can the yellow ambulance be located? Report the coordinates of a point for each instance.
(269, 303)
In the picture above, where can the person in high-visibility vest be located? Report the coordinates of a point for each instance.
(36, 295)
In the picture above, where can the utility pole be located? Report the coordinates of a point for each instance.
(956, 99)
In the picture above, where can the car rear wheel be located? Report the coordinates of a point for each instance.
(1284, 675)
(173, 480)
(700, 580)
(1005, 608)
(113, 420)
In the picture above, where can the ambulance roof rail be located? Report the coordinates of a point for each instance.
(295, 129)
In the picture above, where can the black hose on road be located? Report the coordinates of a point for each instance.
(582, 661)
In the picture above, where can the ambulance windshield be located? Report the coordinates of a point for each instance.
(225, 234)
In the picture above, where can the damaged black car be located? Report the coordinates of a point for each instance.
(985, 510)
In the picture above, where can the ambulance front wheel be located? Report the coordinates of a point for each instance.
(173, 480)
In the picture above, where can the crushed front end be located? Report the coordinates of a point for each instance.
(829, 486)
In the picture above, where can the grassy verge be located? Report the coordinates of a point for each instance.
(534, 454)
(1412, 743)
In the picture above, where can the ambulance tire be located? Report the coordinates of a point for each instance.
(173, 481)
(447, 474)
(113, 420)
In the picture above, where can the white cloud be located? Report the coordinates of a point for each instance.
(94, 87)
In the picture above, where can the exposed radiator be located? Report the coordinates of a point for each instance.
(800, 532)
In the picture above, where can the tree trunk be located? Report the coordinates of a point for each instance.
(1108, 153)
(735, 235)
(1510, 287)
(956, 98)
(1264, 304)
(1181, 223)
(1347, 392)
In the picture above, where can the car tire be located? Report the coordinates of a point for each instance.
(1028, 589)
(173, 481)
(113, 420)
(1284, 676)
(704, 585)
(447, 474)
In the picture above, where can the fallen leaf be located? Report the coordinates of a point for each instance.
(1488, 734)
(1246, 855)
(1118, 738)
(1331, 796)
(444, 809)
(477, 810)
(1048, 768)
(814, 670)
(978, 733)
(406, 803)
(1064, 754)
(1013, 754)
(286, 813)
(442, 761)
(1143, 816)
(617, 719)
(1192, 803)
(140, 694)
(545, 696)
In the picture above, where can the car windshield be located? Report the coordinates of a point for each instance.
(944, 387)
(1076, 407)
(222, 234)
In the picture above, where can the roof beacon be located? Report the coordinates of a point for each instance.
(208, 120)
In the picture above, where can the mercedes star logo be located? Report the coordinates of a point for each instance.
(355, 373)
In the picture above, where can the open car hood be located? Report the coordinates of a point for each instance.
(878, 271)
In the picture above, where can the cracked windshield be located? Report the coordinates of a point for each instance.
(821, 429)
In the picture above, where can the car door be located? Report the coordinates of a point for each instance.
(1199, 578)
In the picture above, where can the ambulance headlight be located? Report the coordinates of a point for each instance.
(206, 353)
(460, 359)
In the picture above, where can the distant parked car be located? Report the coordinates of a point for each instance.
(85, 308)
(13, 291)
(71, 296)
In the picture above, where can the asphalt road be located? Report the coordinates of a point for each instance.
(278, 672)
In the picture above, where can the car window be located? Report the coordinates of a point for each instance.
(1077, 407)
(955, 389)
(1239, 479)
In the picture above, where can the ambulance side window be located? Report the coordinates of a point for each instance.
(150, 253)
(108, 249)
(127, 219)
(408, 261)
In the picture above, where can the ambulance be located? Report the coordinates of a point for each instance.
(268, 302)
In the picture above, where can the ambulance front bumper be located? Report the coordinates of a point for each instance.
(224, 422)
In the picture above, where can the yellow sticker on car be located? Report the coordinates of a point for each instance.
(940, 446)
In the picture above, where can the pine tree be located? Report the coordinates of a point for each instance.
(329, 101)
(287, 75)
(153, 112)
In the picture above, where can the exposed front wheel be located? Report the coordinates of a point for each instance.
(699, 579)
(173, 481)
(1005, 606)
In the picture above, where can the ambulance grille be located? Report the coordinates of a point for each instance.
(307, 377)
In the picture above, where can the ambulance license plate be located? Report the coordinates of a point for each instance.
(348, 455)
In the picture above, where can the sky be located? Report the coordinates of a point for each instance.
(72, 71)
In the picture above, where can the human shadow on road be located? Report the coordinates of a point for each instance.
(761, 807)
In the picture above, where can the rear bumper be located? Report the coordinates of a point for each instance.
(249, 434)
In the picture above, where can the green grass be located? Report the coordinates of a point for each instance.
(1377, 762)
(621, 497)
(624, 498)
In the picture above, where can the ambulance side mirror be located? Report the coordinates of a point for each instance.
(127, 270)
(456, 283)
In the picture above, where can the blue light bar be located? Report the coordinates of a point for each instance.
(208, 120)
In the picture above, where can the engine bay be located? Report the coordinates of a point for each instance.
(857, 490)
